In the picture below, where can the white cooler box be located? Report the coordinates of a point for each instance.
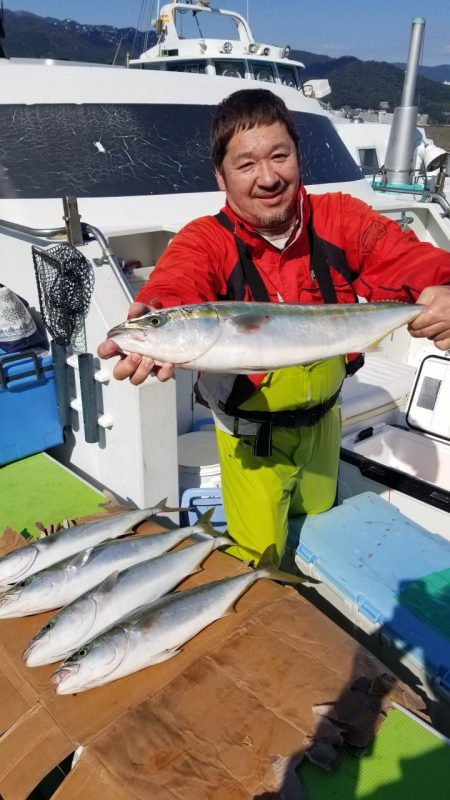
(377, 392)
(406, 467)
(409, 466)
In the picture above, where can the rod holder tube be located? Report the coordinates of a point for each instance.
(61, 383)
(88, 397)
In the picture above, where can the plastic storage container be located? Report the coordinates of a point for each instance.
(368, 556)
(28, 409)
(197, 501)
(198, 461)
(408, 468)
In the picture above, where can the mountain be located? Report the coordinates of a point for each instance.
(31, 36)
(364, 84)
(439, 73)
(356, 83)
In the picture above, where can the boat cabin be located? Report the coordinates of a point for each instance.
(240, 57)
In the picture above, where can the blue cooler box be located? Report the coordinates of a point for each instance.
(197, 502)
(386, 574)
(29, 421)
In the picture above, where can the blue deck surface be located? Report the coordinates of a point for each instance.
(368, 552)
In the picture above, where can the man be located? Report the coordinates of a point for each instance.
(273, 242)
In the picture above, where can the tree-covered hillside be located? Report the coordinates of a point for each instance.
(359, 84)
(364, 84)
(31, 36)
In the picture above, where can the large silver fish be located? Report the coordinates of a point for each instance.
(259, 337)
(119, 595)
(43, 553)
(155, 633)
(63, 582)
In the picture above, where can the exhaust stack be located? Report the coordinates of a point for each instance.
(402, 138)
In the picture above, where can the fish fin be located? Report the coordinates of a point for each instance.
(374, 347)
(165, 656)
(234, 543)
(250, 321)
(266, 564)
(107, 584)
(80, 559)
(230, 609)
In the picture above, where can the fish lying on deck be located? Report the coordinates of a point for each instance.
(259, 337)
(63, 582)
(37, 555)
(156, 632)
(118, 596)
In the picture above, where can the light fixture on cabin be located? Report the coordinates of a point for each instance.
(266, 51)
(286, 51)
(227, 47)
(434, 157)
(253, 47)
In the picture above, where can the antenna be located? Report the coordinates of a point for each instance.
(2, 30)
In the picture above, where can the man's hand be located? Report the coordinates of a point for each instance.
(434, 322)
(134, 366)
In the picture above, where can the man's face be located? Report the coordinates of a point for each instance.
(260, 175)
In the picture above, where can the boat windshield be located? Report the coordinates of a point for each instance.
(113, 150)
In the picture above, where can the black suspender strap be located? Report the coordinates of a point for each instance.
(243, 388)
(251, 275)
(319, 265)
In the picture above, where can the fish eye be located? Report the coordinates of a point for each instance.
(155, 322)
(48, 626)
(83, 652)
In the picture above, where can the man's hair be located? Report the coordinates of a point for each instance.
(243, 110)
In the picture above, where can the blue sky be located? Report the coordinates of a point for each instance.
(377, 30)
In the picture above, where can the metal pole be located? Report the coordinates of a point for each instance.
(402, 136)
(415, 49)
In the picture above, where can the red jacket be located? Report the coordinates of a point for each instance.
(369, 255)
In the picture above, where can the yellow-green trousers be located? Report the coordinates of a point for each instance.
(300, 477)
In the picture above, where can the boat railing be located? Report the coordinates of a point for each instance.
(75, 234)
(436, 197)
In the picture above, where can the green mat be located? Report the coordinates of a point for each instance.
(407, 761)
(429, 599)
(39, 489)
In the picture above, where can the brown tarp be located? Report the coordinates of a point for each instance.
(224, 719)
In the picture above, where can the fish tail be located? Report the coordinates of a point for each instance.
(267, 569)
(276, 574)
(204, 524)
(163, 508)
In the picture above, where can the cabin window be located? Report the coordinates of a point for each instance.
(369, 160)
(263, 72)
(187, 66)
(50, 150)
(230, 69)
(287, 76)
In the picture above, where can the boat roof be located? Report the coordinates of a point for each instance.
(173, 46)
